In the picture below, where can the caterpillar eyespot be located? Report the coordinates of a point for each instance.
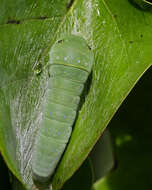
(142, 4)
(70, 65)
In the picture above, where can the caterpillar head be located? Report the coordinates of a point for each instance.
(72, 51)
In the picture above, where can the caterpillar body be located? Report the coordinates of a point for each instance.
(70, 64)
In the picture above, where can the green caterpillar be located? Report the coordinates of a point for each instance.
(71, 62)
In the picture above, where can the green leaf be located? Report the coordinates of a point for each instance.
(120, 36)
(102, 156)
(7, 140)
(27, 28)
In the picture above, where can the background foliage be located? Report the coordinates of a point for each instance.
(120, 37)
